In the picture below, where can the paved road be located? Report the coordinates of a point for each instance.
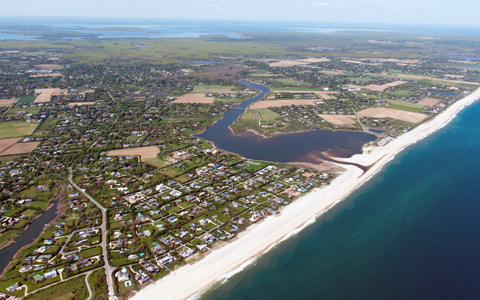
(88, 286)
(108, 269)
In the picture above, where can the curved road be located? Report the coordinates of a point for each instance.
(108, 269)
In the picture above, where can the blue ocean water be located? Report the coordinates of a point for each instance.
(411, 232)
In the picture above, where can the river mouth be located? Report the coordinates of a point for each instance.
(307, 147)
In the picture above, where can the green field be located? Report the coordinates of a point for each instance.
(46, 125)
(215, 87)
(267, 115)
(156, 162)
(407, 104)
(405, 108)
(297, 89)
(26, 99)
(401, 93)
(16, 129)
(291, 81)
(30, 110)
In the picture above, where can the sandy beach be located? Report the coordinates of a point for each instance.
(221, 263)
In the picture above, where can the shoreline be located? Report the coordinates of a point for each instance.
(260, 238)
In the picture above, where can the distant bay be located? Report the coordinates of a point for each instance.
(411, 232)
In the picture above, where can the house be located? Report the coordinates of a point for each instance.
(122, 275)
(51, 274)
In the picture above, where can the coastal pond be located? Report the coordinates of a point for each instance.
(295, 147)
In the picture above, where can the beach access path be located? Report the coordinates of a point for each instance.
(192, 279)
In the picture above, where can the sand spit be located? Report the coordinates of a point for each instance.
(223, 262)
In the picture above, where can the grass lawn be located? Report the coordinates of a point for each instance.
(297, 89)
(74, 289)
(29, 110)
(257, 166)
(29, 212)
(156, 162)
(91, 252)
(16, 129)
(407, 104)
(401, 93)
(267, 115)
(26, 99)
(400, 122)
(98, 284)
(47, 125)
(215, 87)
(362, 79)
(291, 81)
(405, 108)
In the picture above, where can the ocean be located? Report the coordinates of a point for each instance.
(411, 232)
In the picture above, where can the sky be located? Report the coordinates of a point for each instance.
(435, 12)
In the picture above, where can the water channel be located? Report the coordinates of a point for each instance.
(295, 147)
(28, 236)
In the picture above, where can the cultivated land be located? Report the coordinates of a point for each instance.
(7, 102)
(20, 148)
(381, 112)
(49, 66)
(339, 119)
(286, 102)
(429, 101)
(287, 63)
(16, 129)
(47, 75)
(46, 94)
(80, 103)
(125, 221)
(194, 98)
(144, 152)
(5, 143)
(381, 88)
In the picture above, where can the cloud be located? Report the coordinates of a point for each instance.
(321, 4)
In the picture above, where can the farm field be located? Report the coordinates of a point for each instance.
(291, 81)
(49, 66)
(26, 99)
(194, 98)
(46, 94)
(315, 60)
(401, 93)
(380, 112)
(7, 102)
(80, 103)
(144, 152)
(46, 75)
(429, 101)
(338, 120)
(279, 103)
(381, 88)
(407, 104)
(16, 129)
(20, 148)
(331, 72)
(323, 94)
(287, 63)
(5, 143)
(267, 115)
(214, 88)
